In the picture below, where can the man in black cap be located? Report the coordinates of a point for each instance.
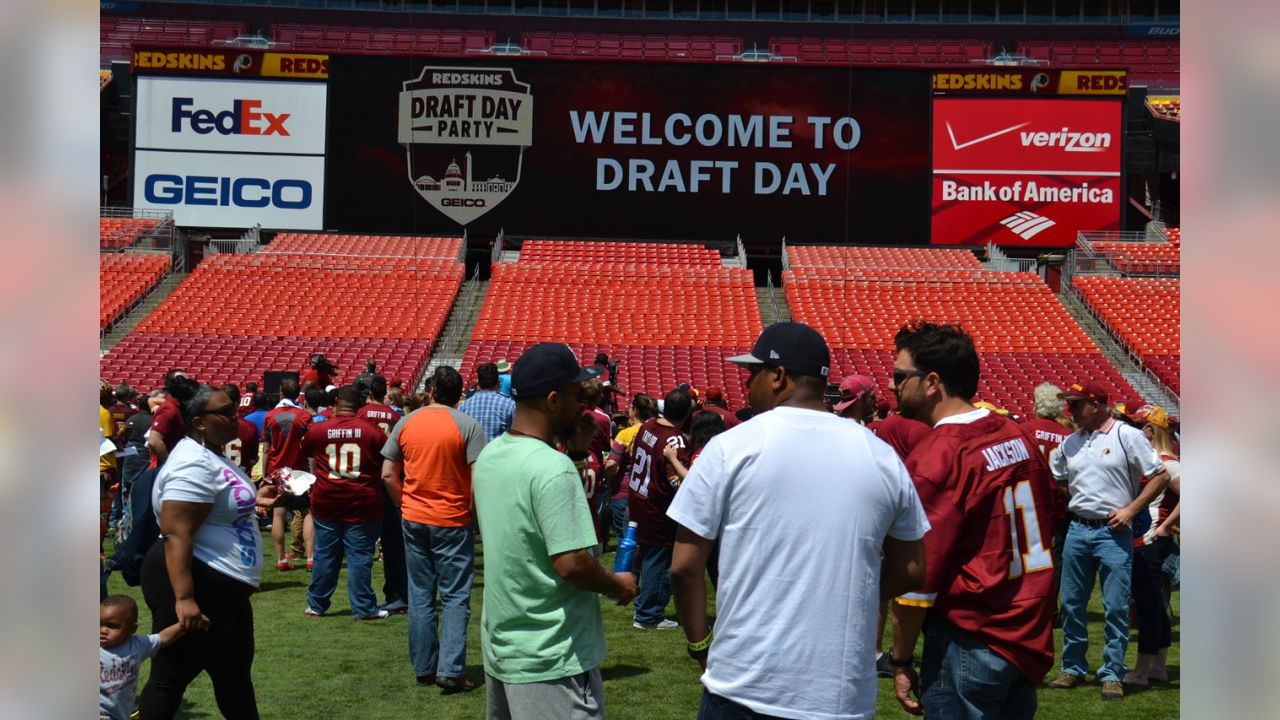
(765, 489)
(543, 634)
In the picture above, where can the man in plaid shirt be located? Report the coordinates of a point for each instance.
(489, 408)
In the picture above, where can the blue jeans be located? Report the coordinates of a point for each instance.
(439, 559)
(960, 677)
(357, 540)
(618, 518)
(655, 584)
(395, 586)
(715, 707)
(1108, 554)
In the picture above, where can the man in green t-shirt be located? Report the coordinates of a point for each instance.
(541, 630)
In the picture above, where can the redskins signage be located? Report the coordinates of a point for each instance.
(237, 62)
(1024, 172)
(614, 149)
(1030, 81)
(485, 115)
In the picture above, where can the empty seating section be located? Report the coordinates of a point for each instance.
(1165, 107)
(119, 233)
(1144, 60)
(1024, 336)
(441, 248)
(586, 45)
(889, 51)
(1145, 315)
(350, 297)
(1142, 258)
(118, 35)
(669, 313)
(124, 279)
(382, 40)
(1174, 234)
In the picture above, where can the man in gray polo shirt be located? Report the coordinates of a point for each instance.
(1102, 465)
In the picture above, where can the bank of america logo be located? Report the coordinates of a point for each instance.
(1027, 225)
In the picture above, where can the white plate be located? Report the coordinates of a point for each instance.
(299, 482)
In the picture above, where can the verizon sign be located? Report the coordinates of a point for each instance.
(1024, 172)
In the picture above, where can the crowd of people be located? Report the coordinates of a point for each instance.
(962, 523)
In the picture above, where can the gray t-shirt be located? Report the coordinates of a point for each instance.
(118, 675)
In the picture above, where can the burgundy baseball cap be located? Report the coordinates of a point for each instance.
(1085, 391)
(852, 388)
(714, 393)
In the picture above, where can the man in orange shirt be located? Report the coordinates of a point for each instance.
(427, 471)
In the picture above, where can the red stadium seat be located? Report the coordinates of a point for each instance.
(1144, 314)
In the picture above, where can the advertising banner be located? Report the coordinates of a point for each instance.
(645, 150)
(234, 62)
(214, 115)
(231, 190)
(1024, 172)
(1030, 81)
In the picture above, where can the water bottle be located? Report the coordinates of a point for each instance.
(626, 556)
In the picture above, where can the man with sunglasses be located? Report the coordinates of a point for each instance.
(986, 608)
(1102, 464)
(818, 522)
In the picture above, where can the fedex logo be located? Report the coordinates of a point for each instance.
(244, 118)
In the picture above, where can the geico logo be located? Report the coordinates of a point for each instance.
(463, 202)
(1101, 82)
(179, 61)
(304, 65)
(285, 194)
(244, 118)
(1068, 140)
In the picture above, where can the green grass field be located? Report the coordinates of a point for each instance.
(335, 667)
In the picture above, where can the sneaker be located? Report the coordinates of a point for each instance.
(312, 612)
(283, 566)
(883, 669)
(1066, 681)
(377, 615)
(665, 624)
(426, 680)
(449, 686)
(1112, 690)
(395, 607)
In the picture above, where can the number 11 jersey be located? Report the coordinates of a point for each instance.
(989, 569)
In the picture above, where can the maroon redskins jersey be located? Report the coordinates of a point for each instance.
(282, 431)
(1048, 435)
(902, 434)
(989, 571)
(592, 475)
(381, 415)
(603, 440)
(347, 454)
(243, 451)
(120, 412)
(167, 422)
(730, 420)
(650, 482)
(246, 404)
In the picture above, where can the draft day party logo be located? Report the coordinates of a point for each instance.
(465, 131)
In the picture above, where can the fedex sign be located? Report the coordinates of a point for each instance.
(231, 115)
(245, 117)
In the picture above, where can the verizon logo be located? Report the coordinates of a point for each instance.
(1027, 225)
(1068, 140)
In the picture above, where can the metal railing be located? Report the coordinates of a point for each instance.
(773, 296)
(495, 257)
(999, 262)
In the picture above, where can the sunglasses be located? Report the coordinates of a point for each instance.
(901, 376)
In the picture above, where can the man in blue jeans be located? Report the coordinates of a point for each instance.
(1102, 465)
(427, 472)
(346, 505)
(652, 485)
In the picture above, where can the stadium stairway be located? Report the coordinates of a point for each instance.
(140, 311)
(456, 335)
(773, 306)
(1115, 354)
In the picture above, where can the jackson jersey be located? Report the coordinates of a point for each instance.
(650, 482)
(987, 491)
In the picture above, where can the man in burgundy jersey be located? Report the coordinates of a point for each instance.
(592, 391)
(987, 604)
(395, 583)
(1048, 432)
(652, 483)
(345, 452)
(245, 405)
(282, 432)
(167, 426)
(577, 442)
(713, 401)
(321, 372)
(242, 451)
(124, 407)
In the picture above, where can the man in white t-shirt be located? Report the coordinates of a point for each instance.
(795, 622)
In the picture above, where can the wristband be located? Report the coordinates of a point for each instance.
(902, 664)
(700, 646)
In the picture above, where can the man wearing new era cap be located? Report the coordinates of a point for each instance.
(1102, 465)
(794, 627)
(541, 630)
